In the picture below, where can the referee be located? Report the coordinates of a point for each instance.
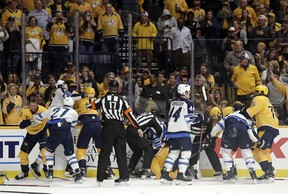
(113, 108)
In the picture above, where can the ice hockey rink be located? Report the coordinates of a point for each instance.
(138, 186)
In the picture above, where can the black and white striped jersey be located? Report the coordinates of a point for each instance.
(146, 120)
(114, 107)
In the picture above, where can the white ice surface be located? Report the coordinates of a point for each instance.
(137, 186)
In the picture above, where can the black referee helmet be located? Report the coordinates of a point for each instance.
(113, 85)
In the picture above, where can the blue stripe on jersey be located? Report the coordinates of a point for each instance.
(239, 119)
(222, 127)
(40, 116)
(55, 121)
(178, 135)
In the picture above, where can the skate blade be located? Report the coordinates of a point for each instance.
(183, 182)
(231, 181)
(67, 174)
(218, 178)
(122, 184)
(164, 181)
(33, 173)
(269, 180)
(79, 181)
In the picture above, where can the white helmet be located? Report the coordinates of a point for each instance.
(60, 83)
(184, 89)
(68, 102)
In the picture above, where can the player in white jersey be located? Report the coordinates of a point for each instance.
(178, 133)
(61, 120)
(61, 93)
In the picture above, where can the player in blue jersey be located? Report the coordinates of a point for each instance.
(180, 119)
(237, 132)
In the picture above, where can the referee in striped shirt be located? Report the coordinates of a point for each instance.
(113, 108)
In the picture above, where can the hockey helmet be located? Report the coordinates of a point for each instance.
(90, 92)
(238, 106)
(60, 83)
(215, 111)
(184, 89)
(113, 84)
(261, 89)
(68, 102)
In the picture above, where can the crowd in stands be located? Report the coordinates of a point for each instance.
(243, 40)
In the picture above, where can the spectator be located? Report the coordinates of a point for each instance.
(261, 33)
(59, 5)
(70, 74)
(138, 88)
(177, 8)
(164, 25)
(199, 13)
(244, 6)
(245, 77)
(146, 77)
(87, 30)
(79, 6)
(171, 90)
(265, 75)
(182, 41)
(200, 48)
(12, 105)
(3, 91)
(227, 41)
(260, 55)
(211, 30)
(12, 12)
(246, 21)
(282, 35)
(144, 31)
(275, 26)
(3, 37)
(12, 47)
(224, 17)
(190, 22)
(156, 92)
(100, 10)
(205, 72)
(103, 87)
(86, 82)
(239, 31)
(51, 88)
(110, 29)
(34, 43)
(272, 56)
(232, 58)
(59, 28)
(277, 95)
(262, 10)
(217, 97)
(42, 17)
(127, 6)
(37, 87)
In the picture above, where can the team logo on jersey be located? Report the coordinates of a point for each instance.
(110, 22)
(94, 4)
(59, 31)
(253, 103)
(34, 32)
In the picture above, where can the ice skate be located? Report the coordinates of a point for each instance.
(109, 173)
(267, 177)
(34, 167)
(229, 177)
(78, 177)
(69, 171)
(136, 173)
(165, 178)
(50, 174)
(253, 175)
(182, 179)
(147, 174)
(121, 182)
(218, 175)
(22, 175)
(45, 170)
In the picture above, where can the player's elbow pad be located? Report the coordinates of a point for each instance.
(24, 124)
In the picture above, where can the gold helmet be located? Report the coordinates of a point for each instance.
(227, 110)
(215, 111)
(90, 92)
(261, 89)
(238, 105)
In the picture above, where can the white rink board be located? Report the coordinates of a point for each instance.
(11, 140)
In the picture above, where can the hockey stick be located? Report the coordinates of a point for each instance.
(201, 132)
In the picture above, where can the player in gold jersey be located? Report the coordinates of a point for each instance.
(35, 134)
(267, 124)
(91, 126)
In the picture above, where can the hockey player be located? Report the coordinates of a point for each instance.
(151, 127)
(237, 132)
(180, 118)
(267, 124)
(91, 126)
(35, 134)
(61, 120)
(61, 93)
